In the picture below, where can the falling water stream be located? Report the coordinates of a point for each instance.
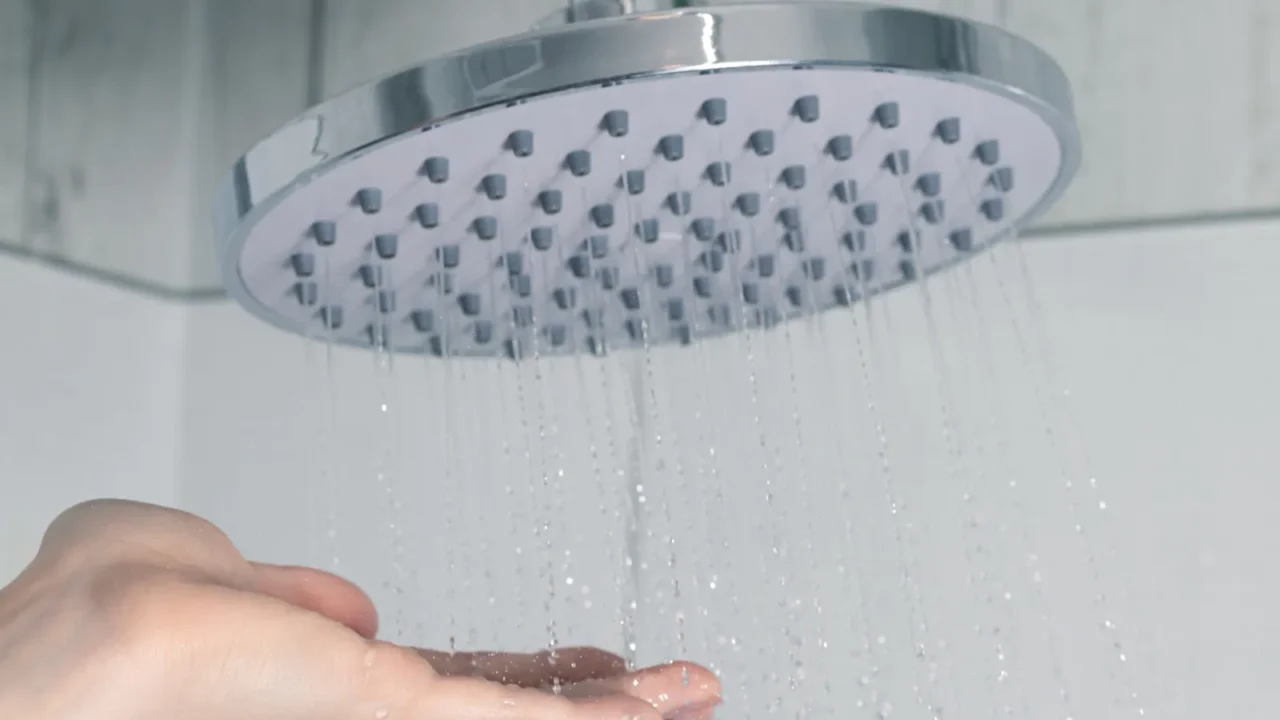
(984, 435)
(1007, 648)
(1040, 360)
(794, 414)
(330, 475)
(830, 511)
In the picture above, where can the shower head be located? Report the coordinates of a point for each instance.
(620, 177)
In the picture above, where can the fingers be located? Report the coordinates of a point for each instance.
(402, 688)
(680, 689)
(466, 698)
(320, 592)
(538, 670)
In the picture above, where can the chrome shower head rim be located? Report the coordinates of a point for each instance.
(722, 38)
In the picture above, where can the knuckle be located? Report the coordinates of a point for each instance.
(105, 531)
(96, 515)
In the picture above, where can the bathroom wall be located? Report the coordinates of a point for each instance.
(91, 388)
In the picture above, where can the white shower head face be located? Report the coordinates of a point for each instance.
(667, 208)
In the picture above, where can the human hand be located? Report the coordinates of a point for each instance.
(134, 612)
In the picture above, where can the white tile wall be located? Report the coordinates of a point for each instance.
(140, 107)
(366, 40)
(15, 53)
(1177, 102)
(90, 398)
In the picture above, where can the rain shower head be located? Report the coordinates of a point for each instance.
(621, 177)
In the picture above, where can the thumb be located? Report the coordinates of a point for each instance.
(320, 592)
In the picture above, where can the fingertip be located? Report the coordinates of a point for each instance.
(673, 687)
(698, 678)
